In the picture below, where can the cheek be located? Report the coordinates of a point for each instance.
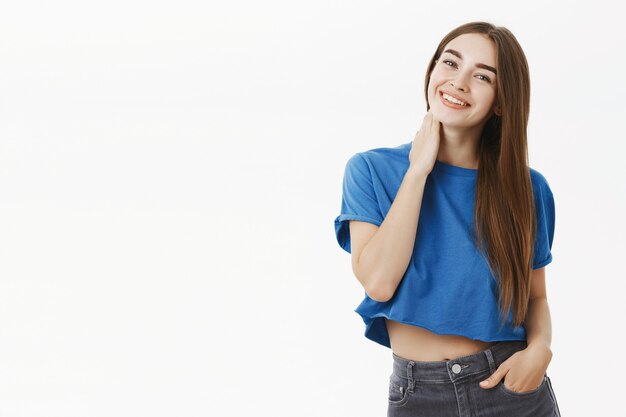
(489, 98)
(438, 74)
(433, 85)
(437, 80)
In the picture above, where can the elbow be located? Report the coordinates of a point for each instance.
(373, 286)
(380, 297)
(379, 293)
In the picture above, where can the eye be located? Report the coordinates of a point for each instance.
(446, 61)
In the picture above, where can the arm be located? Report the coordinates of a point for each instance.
(525, 369)
(538, 323)
(381, 254)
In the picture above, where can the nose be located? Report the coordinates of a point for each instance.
(459, 83)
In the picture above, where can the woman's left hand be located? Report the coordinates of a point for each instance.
(524, 370)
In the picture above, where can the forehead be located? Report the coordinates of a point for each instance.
(474, 47)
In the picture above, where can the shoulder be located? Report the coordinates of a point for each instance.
(539, 182)
(381, 157)
(544, 199)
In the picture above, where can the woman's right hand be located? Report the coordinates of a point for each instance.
(425, 145)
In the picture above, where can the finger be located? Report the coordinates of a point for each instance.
(493, 379)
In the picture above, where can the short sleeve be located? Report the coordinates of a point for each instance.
(358, 200)
(544, 206)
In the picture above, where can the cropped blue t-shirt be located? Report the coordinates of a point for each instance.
(447, 287)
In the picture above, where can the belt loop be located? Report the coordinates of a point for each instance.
(409, 373)
(492, 363)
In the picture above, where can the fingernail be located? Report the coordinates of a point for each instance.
(484, 383)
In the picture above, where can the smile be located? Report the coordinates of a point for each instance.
(452, 102)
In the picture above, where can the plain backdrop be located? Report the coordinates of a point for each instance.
(170, 173)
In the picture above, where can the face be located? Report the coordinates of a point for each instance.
(461, 77)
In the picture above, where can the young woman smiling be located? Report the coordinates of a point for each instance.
(450, 234)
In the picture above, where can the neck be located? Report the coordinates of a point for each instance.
(458, 146)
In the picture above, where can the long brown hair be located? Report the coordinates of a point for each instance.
(504, 216)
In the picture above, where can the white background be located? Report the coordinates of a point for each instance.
(169, 176)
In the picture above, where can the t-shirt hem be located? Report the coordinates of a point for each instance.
(344, 217)
(342, 230)
(544, 263)
(369, 321)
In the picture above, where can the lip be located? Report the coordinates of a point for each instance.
(455, 96)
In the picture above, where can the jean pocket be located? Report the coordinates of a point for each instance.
(523, 393)
(398, 391)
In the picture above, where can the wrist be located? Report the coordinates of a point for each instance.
(414, 173)
(540, 347)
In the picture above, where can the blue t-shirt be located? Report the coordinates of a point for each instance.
(447, 287)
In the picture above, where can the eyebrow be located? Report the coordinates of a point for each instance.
(479, 65)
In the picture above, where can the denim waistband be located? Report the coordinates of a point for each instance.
(457, 368)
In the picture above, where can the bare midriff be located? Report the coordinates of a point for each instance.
(419, 344)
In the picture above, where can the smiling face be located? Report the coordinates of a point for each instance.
(467, 77)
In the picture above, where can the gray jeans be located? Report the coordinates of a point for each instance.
(450, 388)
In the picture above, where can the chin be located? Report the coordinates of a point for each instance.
(449, 119)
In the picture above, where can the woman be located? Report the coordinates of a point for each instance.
(450, 235)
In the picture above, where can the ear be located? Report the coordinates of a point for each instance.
(497, 111)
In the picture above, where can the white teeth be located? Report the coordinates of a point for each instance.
(452, 99)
